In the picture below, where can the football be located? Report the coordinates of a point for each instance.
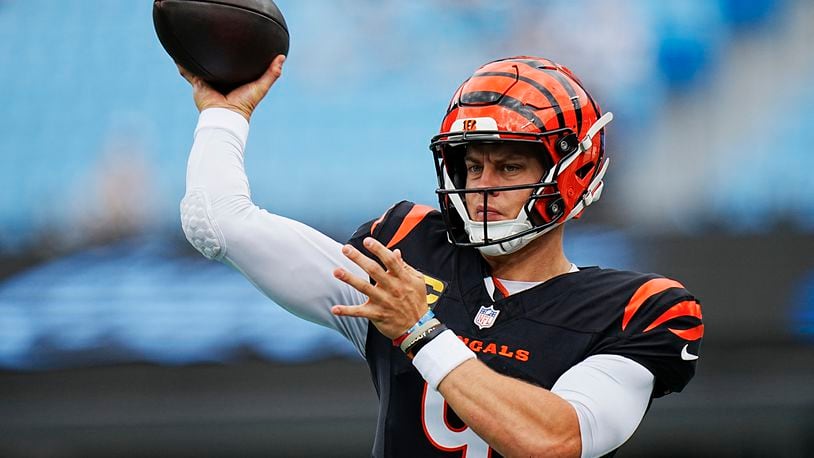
(225, 42)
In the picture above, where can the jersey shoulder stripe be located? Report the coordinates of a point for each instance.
(684, 308)
(692, 334)
(657, 323)
(411, 227)
(396, 223)
(647, 290)
(662, 300)
(410, 221)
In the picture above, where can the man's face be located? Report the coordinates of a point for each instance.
(500, 164)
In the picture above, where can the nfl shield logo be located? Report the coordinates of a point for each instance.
(486, 317)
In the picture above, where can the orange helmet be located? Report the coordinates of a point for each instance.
(534, 101)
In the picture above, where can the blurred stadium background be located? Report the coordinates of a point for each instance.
(117, 339)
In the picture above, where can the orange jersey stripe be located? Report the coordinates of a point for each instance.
(689, 334)
(415, 216)
(647, 290)
(500, 287)
(686, 308)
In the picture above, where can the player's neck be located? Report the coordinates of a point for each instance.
(543, 258)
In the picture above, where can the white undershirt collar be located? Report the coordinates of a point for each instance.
(515, 286)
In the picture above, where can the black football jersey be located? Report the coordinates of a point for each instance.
(534, 335)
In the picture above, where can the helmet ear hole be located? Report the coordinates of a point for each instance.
(586, 169)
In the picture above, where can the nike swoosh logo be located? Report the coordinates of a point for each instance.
(687, 356)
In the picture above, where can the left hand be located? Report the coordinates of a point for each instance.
(398, 299)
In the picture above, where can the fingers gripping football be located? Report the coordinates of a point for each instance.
(243, 99)
(396, 301)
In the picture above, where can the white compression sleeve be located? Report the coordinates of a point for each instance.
(288, 261)
(610, 394)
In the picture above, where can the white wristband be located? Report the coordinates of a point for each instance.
(440, 356)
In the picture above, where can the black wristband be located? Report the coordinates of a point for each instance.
(424, 340)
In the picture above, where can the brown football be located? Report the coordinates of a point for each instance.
(225, 42)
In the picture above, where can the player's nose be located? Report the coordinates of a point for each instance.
(489, 178)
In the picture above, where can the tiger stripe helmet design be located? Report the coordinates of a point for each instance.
(534, 101)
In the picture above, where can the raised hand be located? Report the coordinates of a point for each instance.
(399, 297)
(243, 99)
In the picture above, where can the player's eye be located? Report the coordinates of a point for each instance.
(473, 169)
